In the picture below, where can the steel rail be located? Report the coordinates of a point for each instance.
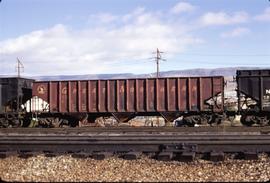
(143, 142)
(137, 129)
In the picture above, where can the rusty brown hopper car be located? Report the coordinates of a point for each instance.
(127, 98)
(254, 96)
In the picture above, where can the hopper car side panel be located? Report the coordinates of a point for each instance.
(183, 94)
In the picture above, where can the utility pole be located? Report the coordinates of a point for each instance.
(19, 67)
(158, 58)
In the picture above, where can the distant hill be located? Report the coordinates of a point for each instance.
(85, 77)
(228, 71)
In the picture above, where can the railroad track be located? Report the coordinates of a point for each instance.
(164, 144)
(134, 129)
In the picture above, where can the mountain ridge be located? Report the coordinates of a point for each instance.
(226, 72)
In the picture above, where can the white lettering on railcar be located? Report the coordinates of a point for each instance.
(267, 91)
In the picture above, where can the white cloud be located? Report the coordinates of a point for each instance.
(97, 49)
(133, 14)
(182, 7)
(237, 32)
(103, 17)
(222, 18)
(265, 16)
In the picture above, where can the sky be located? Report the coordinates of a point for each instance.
(66, 37)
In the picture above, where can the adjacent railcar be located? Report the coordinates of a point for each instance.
(198, 99)
(14, 92)
(254, 96)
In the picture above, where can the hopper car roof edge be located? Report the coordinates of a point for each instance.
(182, 77)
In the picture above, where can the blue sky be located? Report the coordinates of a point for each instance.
(55, 37)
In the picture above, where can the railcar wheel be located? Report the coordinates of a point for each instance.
(53, 122)
(15, 123)
(149, 123)
(188, 121)
(247, 120)
(10, 121)
(263, 121)
(3, 123)
(209, 119)
(26, 121)
(231, 118)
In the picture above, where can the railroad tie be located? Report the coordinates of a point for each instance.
(49, 154)
(81, 155)
(25, 155)
(132, 155)
(3, 155)
(101, 155)
(187, 156)
(165, 156)
(251, 155)
(216, 156)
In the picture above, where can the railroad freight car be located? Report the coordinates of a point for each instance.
(254, 96)
(197, 99)
(14, 92)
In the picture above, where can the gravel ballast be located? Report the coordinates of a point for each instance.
(66, 168)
